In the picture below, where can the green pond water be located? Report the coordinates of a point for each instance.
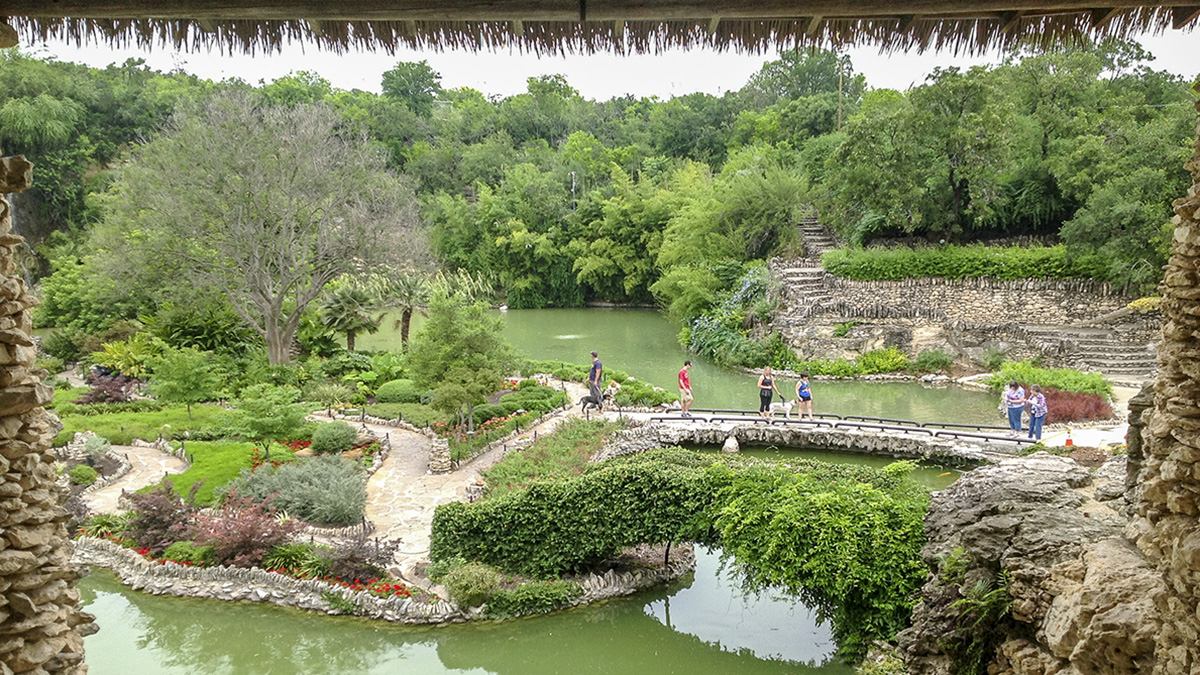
(644, 344)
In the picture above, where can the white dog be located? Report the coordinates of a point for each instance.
(785, 406)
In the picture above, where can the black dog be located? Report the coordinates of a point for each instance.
(590, 401)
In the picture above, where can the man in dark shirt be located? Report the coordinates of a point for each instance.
(594, 376)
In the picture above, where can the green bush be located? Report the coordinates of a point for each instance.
(188, 552)
(532, 598)
(96, 446)
(1062, 379)
(887, 360)
(62, 345)
(300, 559)
(328, 490)
(436, 571)
(216, 463)
(333, 437)
(472, 584)
(106, 524)
(539, 397)
(485, 412)
(994, 358)
(417, 414)
(932, 361)
(398, 391)
(959, 262)
(82, 474)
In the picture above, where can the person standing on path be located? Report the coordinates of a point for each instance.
(685, 390)
(1014, 400)
(1037, 412)
(594, 376)
(804, 396)
(766, 385)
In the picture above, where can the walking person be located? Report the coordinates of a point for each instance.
(594, 377)
(1037, 412)
(1014, 400)
(685, 390)
(804, 396)
(766, 385)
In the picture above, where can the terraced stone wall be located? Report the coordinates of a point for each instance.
(41, 624)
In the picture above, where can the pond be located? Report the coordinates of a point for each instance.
(644, 343)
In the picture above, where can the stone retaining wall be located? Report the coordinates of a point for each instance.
(256, 585)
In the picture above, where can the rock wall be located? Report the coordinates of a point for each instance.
(1166, 527)
(41, 624)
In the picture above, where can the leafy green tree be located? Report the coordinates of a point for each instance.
(185, 376)
(268, 205)
(459, 354)
(416, 84)
(348, 308)
(299, 88)
(267, 412)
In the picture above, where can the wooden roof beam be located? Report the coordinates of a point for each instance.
(814, 24)
(1182, 16)
(713, 23)
(1101, 17)
(1008, 20)
(907, 21)
(316, 27)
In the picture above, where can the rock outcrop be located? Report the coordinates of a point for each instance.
(41, 625)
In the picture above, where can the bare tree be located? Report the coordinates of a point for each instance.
(266, 204)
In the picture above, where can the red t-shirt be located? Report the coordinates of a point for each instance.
(684, 382)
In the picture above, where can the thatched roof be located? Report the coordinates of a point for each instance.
(551, 26)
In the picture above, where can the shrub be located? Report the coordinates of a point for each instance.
(61, 344)
(486, 412)
(932, 361)
(82, 474)
(416, 414)
(1062, 379)
(108, 389)
(53, 365)
(241, 532)
(843, 329)
(1066, 406)
(333, 437)
(994, 358)
(559, 455)
(160, 517)
(96, 446)
(887, 360)
(329, 394)
(439, 569)
(106, 524)
(473, 584)
(299, 559)
(360, 558)
(958, 262)
(188, 553)
(327, 490)
(1144, 305)
(533, 598)
(398, 391)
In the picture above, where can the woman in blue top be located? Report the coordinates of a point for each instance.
(1037, 412)
(1014, 399)
(804, 396)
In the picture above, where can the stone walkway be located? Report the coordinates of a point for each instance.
(148, 466)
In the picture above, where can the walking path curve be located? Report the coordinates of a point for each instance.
(148, 466)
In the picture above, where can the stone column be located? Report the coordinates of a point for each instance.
(1167, 523)
(1138, 405)
(41, 625)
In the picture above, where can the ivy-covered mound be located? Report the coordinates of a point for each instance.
(847, 539)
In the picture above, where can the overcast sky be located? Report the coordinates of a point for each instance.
(600, 76)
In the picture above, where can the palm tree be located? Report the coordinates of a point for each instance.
(407, 293)
(347, 308)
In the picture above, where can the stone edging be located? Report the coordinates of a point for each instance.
(257, 585)
(123, 467)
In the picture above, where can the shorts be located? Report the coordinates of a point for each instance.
(685, 396)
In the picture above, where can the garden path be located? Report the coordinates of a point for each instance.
(149, 465)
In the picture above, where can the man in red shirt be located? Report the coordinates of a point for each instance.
(685, 389)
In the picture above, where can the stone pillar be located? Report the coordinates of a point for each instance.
(41, 625)
(1167, 523)
(1135, 457)
(439, 456)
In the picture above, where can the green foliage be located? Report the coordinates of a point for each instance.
(958, 262)
(540, 397)
(932, 361)
(133, 357)
(994, 358)
(323, 490)
(300, 559)
(216, 464)
(554, 456)
(329, 394)
(106, 524)
(437, 570)
(398, 391)
(82, 474)
(96, 446)
(472, 584)
(416, 414)
(185, 376)
(266, 412)
(537, 597)
(843, 329)
(953, 566)
(333, 437)
(981, 609)
(1062, 379)
(122, 427)
(339, 603)
(887, 360)
(190, 553)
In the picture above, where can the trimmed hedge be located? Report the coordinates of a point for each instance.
(960, 262)
(398, 391)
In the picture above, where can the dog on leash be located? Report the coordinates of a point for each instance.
(785, 406)
(589, 401)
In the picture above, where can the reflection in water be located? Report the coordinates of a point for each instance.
(711, 629)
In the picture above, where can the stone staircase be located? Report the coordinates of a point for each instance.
(1095, 349)
(817, 238)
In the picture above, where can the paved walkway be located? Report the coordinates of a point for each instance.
(148, 467)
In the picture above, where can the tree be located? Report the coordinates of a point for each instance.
(185, 376)
(347, 308)
(266, 412)
(266, 204)
(459, 354)
(416, 84)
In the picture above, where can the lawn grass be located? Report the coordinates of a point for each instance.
(560, 455)
(67, 395)
(218, 462)
(121, 428)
